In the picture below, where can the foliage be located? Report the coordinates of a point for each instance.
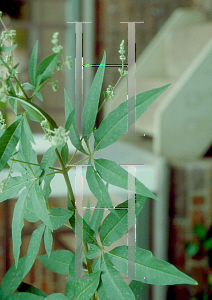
(199, 248)
(33, 186)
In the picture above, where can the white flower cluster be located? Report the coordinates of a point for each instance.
(110, 92)
(54, 85)
(68, 62)
(8, 36)
(2, 121)
(3, 91)
(122, 51)
(122, 58)
(57, 48)
(1, 187)
(57, 137)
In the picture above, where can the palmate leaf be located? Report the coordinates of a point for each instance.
(115, 123)
(48, 240)
(96, 218)
(29, 213)
(70, 124)
(18, 223)
(33, 248)
(48, 160)
(8, 141)
(98, 188)
(13, 186)
(115, 286)
(136, 287)
(12, 279)
(39, 204)
(33, 63)
(114, 227)
(58, 216)
(56, 296)
(58, 261)
(5, 49)
(81, 289)
(111, 172)
(90, 108)
(28, 288)
(149, 269)
(24, 296)
(102, 292)
(46, 68)
(25, 148)
(27, 130)
(27, 86)
(35, 112)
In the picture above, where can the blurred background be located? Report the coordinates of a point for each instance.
(173, 138)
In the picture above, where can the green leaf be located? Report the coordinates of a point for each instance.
(90, 108)
(24, 296)
(10, 85)
(8, 142)
(82, 289)
(31, 113)
(27, 130)
(136, 288)
(35, 112)
(56, 296)
(48, 160)
(27, 86)
(39, 204)
(25, 287)
(33, 63)
(87, 213)
(115, 286)
(48, 240)
(12, 279)
(111, 172)
(18, 224)
(46, 68)
(29, 213)
(115, 124)
(114, 227)
(92, 253)
(39, 95)
(47, 185)
(149, 269)
(70, 126)
(97, 218)
(102, 292)
(98, 188)
(58, 261)
(13, 105)
(5, 49)
(88, 234)
(68, 105)
(33, 248)
(25, 147)
(58, 216)
(13, 186)
(65, 153)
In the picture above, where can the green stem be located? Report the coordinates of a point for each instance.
(71, 195)
(16, 79)
(77, 163)
(23, 91)
(25, 162)
(65, 174)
